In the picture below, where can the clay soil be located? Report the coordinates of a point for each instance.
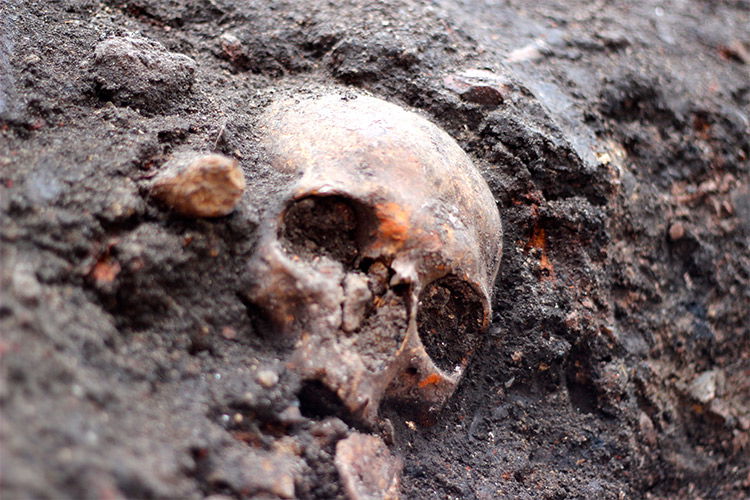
(614, 136)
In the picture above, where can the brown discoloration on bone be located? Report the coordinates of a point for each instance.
(421, 231)
(394, 225)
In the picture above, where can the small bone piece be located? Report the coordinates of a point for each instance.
(200, 185)
(357, 295)
(367, 469)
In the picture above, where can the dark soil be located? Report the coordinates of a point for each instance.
(450, 319)
(614, 136)
(322, 226)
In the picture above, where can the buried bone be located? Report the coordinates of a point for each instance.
(367, 469)
(378, 258)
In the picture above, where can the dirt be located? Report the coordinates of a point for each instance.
(449, 320)
(614, 137)
(322, 226)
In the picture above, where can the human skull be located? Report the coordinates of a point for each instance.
(380, 256)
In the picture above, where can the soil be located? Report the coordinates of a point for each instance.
(449, 320)
(614, 136)
(321, 226)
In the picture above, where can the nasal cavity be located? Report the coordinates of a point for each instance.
(325, 226)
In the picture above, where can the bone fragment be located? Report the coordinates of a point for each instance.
(356, 297)
(367, 469)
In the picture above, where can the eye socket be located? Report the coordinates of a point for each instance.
(331, 226)
(449, 318)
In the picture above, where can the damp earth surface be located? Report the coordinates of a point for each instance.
(613, 138)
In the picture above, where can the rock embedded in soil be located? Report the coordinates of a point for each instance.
(706, 385)
(199, 185)
(135, 71)
(478, 86)
(676, 231)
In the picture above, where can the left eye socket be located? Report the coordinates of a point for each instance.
(449, 318)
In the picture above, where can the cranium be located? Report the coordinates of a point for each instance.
(380, 256)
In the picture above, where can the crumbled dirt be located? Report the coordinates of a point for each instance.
(614, 138)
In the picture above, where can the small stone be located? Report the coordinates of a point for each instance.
(676, 231)
(25, 284)
(229, 333)
(122, 202)
(133, 70)
(721, 409)
(531, 52)
(478, 86)
(704, 387)
(248, 399)
(648, 431)
(367, 469)
(198, 185)
(267, 378)
(256, 473)
(291, 415)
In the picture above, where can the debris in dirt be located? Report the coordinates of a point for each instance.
(358, 297)
(648, 431)
(25, 283)
(254, 472)
(367, 469)
(735, 51)
(479, 86)
(229, 333)
(44, 186)
(705, 386)
(531, 52)
(384, 188)
(199, 185)
(135, 71)
(105, 270)
(538, 242)
(676, 231)
(516, 356)
(122, 202)
(267, 378)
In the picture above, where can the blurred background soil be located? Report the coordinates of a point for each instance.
(614, 136)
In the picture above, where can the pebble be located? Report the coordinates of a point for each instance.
(478, 86)
(135, 71)
(704, 387)
(676, 231)
(229, 333)
(200, 185)
(267, 378)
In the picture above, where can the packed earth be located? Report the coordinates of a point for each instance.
(138, 360)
